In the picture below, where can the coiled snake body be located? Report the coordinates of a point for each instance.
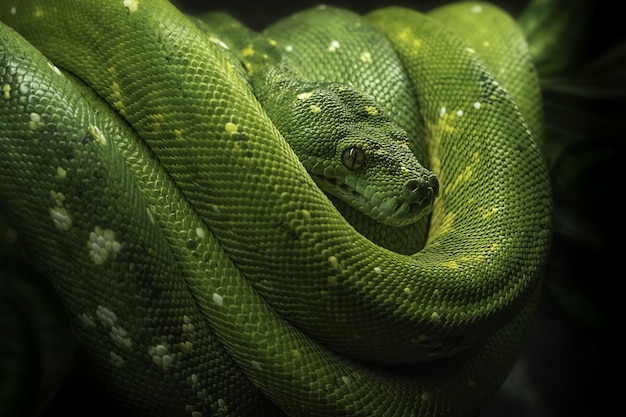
(203, 269)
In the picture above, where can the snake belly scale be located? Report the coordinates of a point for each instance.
(203, 268)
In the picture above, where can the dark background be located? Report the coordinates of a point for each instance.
(570, 359)
(607, 24)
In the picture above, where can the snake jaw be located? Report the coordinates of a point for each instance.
(399, 209)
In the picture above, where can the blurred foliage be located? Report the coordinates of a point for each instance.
(583, 79)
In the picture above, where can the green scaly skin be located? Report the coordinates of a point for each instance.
(283, 66)
(203, 269)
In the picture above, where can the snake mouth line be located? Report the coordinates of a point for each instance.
(391, 210)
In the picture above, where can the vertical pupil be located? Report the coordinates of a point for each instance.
(353, 158)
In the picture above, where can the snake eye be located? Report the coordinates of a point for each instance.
(353, 158)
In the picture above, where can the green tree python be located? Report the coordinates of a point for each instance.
(208, 268)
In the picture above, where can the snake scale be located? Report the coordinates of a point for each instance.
(148, 171)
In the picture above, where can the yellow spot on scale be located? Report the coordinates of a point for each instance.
(334, 262)
(218, 300)
(106, 316)
(6, 91)
(296, 353)
(464, 176)
(451, 264)
(38, 12)
(249, 69)
(272, 42)
(304, 96)
(474, 258)
(371, 110)
(470, 50)
(486, 44)
(366, 57)
(334, 45)
(61, 173)
(487, 213)
(118, 334)
(161, 356)
(35, 121)
(102, 245)
(315, 108)
(157, 121)
(131, 5)
(60, 217)
(406, 34)
(178, 134)
(118, 98)
(231, 128)
(407, 291)
(435, 316)
(97, 134)
(306, 215)
(247, 51)
(404, 144)
(494, 247)
(59, 214)
(436, 132)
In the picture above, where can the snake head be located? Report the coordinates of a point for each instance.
(377, 174)
(354, 152)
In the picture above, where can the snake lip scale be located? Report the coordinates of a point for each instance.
(391, 210)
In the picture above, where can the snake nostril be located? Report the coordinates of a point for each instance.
(413, 192)
(416, 191)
